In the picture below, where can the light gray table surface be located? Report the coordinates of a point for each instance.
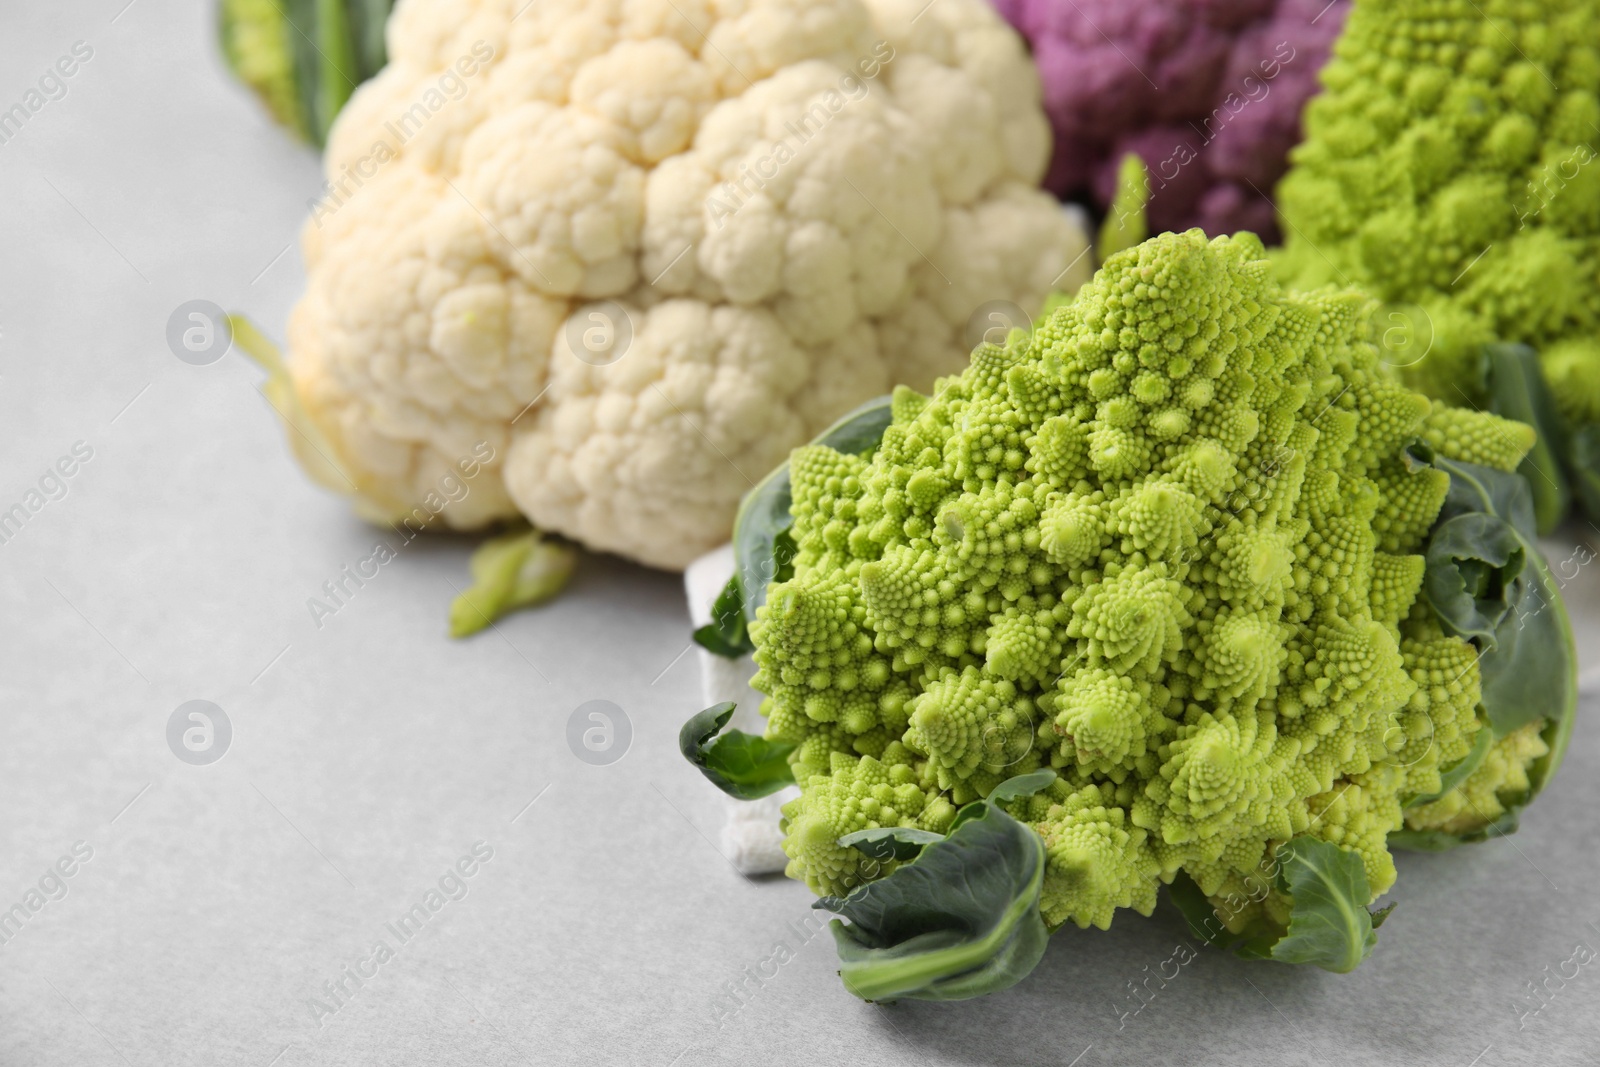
(370, 754)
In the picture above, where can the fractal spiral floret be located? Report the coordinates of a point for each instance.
(1168, 547)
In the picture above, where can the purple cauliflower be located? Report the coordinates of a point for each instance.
(1207, 92)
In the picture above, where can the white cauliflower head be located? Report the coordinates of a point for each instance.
(634, 251)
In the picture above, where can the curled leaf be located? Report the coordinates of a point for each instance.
(1329, 924)
(959, 921)
(726, 634)
(890, 842)
(740, 764)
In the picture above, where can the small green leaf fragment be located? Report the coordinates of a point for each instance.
(890, 842)
(726, 634)
(1583, 461)
(740, 764)
(1125, 224)
(513, 571)
(1517, 390)
(1473, 559)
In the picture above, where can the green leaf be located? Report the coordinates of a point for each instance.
(1198, 912)
(1517, 390)
(338, 75)
(515, 570)
(959, 921)
(1023, 785)
(1532, 672)
(741, 765)
(1125, 224)
(760, 531)
(368, 19)
(1583, 460)
(726, 633)
(1329, 924)
(890, 842)
(1472, 559)
(1528, 663)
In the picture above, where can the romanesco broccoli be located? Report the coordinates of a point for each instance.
(1168, 548)
(1449, 169)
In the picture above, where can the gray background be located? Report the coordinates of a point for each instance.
(370, 753)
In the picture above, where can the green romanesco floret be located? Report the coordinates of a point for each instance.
(1168, 547)
(1449, 167)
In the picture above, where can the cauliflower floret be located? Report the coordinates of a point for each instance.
(635, 250)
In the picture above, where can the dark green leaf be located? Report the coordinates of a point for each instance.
(1198, 912)
(1583, 462)
(1528, 666)
(300, 27)
(368, 19)
(740, 764)
(764, 519)
(1380, 916)
(1517, 390)
(1473, 559)
(339, 71)
(726, 633)
(890, 842)
(959, 921)
(1329, 925)
(1532, 672)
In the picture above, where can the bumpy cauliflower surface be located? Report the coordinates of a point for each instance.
(642, 248)
(1168, 547)
(1451, 164)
